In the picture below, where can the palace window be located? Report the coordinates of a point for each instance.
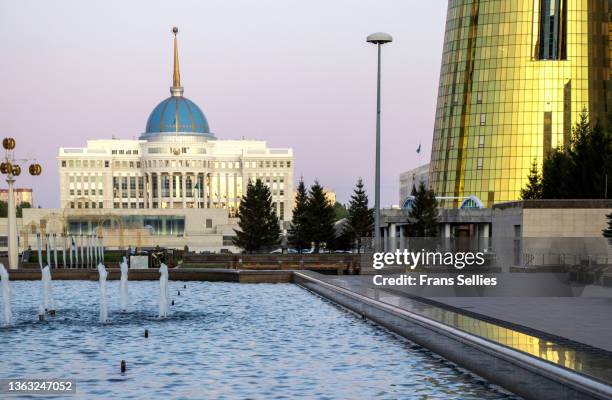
(124, 187)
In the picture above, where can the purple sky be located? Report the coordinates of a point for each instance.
(295, 73)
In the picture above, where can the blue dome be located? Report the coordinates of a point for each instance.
(177, 114)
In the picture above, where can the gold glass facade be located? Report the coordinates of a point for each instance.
(515, 76)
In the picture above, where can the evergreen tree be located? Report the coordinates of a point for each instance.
(556, 172)
(20, 207)
(319, 218)
(340, 212)
(583, 168)
(424, 213)
(533, 190)
(259, 226)
(590, 154)
(608, 231)
(360, 216)
(298, 232)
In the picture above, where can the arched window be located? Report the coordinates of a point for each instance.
(471, 202)
(408, 203)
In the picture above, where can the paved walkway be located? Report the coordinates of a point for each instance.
(587, 320)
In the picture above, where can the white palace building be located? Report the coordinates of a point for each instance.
(176, 180)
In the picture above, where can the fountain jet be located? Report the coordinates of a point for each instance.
(163, 291)
(123, 288)
(103, 303)
(6, 296)
(48, 301)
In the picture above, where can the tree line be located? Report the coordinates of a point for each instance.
(318, 224)
(579, 171)
(18, 209)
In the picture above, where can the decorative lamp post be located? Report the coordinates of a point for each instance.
(11, 167)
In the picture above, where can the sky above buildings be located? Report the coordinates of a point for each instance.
(294, 73)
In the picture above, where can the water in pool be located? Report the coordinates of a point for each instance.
(221, 341)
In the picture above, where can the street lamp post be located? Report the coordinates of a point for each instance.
(11, 168)
(378, 39)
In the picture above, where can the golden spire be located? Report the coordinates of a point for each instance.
(176, 88)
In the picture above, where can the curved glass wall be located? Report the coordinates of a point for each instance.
(515, 76)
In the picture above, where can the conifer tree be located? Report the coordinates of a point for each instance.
(424, 213)
(298, 235)
(319, 218)
(533, 190)
(257, 220)
(360, 216)
(556, 176)
(582, 169)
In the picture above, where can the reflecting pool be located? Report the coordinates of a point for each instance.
(222, 340)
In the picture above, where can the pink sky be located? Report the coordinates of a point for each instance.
(295, 73)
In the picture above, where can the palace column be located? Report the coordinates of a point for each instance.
(227, 192)
(149, 189)
(184, 191)
(236, 192)
(171, 194)
(218, 189)
(204, 189)
(158, 194)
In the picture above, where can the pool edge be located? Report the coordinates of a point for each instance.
(517, 372)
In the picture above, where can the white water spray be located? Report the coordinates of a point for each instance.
(123, 287)
(48, 301)
(6, 296)
(163, 291)
(103, 303)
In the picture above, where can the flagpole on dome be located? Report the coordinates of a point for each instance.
(176, 90)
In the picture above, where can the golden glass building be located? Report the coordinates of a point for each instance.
(515, 76)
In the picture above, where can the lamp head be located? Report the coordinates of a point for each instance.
(379, 38)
